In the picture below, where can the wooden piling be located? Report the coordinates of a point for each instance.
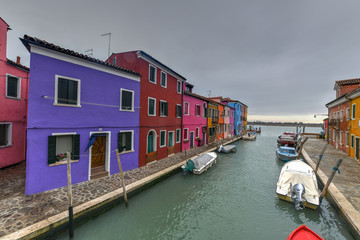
(336, 168)
(320, 157)
(301, 146)
(71, 214)
(122, 178)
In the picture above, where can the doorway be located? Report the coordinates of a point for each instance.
(357, 148)
(99, 155)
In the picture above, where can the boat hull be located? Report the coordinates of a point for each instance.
(302, 233)
(284, 157)
(306, 204)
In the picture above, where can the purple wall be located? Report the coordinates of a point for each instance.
(44, 119)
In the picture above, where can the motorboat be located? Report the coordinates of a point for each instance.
(249, 136)
(227, 148)
(303, 232)
(298, 184)
(286, 153)
(200, 164)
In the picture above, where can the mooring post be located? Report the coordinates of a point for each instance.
(336, 168)
(320, 157)
(122, 178)
(301, 146)
(71, 214)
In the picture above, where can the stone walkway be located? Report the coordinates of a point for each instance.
(18, 211)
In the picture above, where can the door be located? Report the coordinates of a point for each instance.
(357, 148)
(98, 152)
(150, 142)
(191, 139)
(204, 138)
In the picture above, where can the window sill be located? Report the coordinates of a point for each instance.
(62, 163)
(151, 115)
(163, 116)
(124, 110)
(13, 98)
(124, 152)
(152, 82)
(163, 86)
(66, 105)
(5, 146)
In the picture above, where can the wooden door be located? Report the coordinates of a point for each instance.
(98, 152)
(357, 148)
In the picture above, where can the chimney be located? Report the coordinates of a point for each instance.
(18, 59)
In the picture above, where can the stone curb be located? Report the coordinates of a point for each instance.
(52, 222)
(352, 216)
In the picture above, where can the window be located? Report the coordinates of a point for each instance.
(163, 81)
(170, 138)
(5, 134)
(347, 114)
(204, 110)
(347, 139)
(337, 115)
(178, 135)
(334, 115)
(178, 110)
(13, 86)
(341, 138)
(126, 141)
(114, 61)
(186, 133)
(352, 141)
(353, 112)
(61, 143)
(225, 127)
(151, 106)
(212, 131)
(197, 132)
(152, 74)
(126, 100)
(162, 138)
(341, 115)
(163, 108)
(197, 110)
(67, 91)
(178, 89)
(186, 108)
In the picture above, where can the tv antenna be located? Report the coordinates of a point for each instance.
(107, 34)
(89, 52)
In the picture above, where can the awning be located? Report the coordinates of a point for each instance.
(92, 140)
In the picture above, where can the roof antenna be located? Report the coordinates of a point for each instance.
(90, 52)
(106, 34)
(209, 93)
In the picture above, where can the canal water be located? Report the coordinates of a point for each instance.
(235, 199)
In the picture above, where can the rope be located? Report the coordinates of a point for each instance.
(334, 168)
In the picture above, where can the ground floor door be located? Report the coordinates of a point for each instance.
(191, 139)
(357, 148)
(98, 157)
(151, 154)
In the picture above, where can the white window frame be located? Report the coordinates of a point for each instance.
(176, 109)
(352, 140)
(18, 87)
(173, 138)
(161, 115)
(114, 61)
(347, 139)
(161, 73)
(132, 140)
(164, 139)
(132, 100)
(197, 130)
(197, 106)
(341, 115)
(56, 92)
(149, 106)
(205, 109)
(64, 134)
(150, 66)
(341, 138)
(178, 133)
(188, 108)
(347, 114)
(108, 152)
(353, 106)
(177, 86)
(337, 115)
(186, 134)
(9, 134)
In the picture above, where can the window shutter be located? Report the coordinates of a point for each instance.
(119, 142)
(75, 147)
(51, 149)
(128, 141)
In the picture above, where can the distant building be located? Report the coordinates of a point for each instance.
(14, 79)
(239, 115)
(213, 120)
(353, 135)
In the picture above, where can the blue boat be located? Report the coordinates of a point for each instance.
(286, 153)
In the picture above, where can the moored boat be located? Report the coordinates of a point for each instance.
(286, 154)
(227, 148)
(303, 233)
(249, 136)
(298, 184)
(200, 164)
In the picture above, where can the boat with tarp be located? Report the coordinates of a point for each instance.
(227, 148)
(199, 164)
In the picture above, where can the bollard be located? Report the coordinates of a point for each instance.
(122, 178)
(71, 215)
(330, 178)
(320, 157)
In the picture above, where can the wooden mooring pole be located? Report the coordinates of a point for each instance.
(71, 213)
(122, 178)
(301, 146)
(320, 157)
(336, 168)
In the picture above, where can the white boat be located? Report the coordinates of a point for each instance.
(200, 164)
(298, 184)
(249, 136)
(227, 148)
(286, 154)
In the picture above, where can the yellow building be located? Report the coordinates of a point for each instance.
(352, 138)
(213, 120)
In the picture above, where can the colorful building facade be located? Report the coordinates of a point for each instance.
(353, 141)
(79, 105)
(14, 79)
(160, 105)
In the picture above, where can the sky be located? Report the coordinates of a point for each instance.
(281, 57)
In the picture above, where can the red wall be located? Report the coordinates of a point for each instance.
(130, 61)
(342, 129)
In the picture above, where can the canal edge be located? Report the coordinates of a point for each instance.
(351, 215)
(59, 220)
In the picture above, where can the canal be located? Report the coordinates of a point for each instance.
(235, 199)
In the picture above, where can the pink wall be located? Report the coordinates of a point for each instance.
(12, 111)
(192, 121)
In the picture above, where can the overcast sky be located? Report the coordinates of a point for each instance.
(279, 57)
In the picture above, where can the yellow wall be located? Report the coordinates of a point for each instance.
(210, 122)
(354, 125)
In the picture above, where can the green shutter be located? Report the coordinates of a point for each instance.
(51, 149)
(120, 149)
(75, 147)
(128, 141)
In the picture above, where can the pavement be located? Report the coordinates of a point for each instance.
(345, 187)
(20, 214)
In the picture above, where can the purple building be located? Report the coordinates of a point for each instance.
(80, 105)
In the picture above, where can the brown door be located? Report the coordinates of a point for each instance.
(98, 152)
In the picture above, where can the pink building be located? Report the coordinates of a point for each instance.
(13, 104)
(194, 119)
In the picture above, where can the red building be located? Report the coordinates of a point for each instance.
(13, 104)
(160, 105)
